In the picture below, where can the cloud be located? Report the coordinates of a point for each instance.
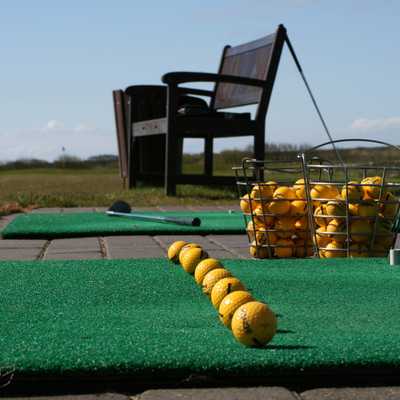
(84, 127)
(378, 125)
(53, 124)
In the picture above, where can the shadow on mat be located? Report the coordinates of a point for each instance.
(286, 347)
(284, 331)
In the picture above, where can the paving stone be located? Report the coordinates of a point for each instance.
(242, 252)
(8, 218)
(101, 209)
(139, 209)
(173, 208)
(71, 210)
(369, 393)
(97, 396)
(167, 240)
(134, 209)
(234, 207)
(4, 221)
(131, 241)
(19, 254)
(126, 252)
(230, 240)
(3, 224)
(21, 244)
(73, 244)
(203, 208)
(222, 254)
(237, 245)
(46, 210)
(71, 255)
(256, 393)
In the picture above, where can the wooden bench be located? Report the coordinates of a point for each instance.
(158, 118)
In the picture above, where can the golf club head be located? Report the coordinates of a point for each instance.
(120, 206)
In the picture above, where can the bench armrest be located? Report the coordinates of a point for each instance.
(175, 78)
(199, 92)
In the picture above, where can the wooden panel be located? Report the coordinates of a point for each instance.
(148, 101)
(251, 63)
(119, 112)
(199, 127)
(151, 127)
(250, 46)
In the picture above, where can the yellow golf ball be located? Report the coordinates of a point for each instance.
(351, 191)
(254, 324)
(230, 303)
(222, 288)
(174, 250)
(185, 248)
(299, 188)
(204, 267)
(212, 278)
(191, 258)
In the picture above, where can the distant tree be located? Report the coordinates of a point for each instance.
(67, 158)
(69, 161)
(103, 158)
(25, 163)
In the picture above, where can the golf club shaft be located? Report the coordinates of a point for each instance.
(179, 221)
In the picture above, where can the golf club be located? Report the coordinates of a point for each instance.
(122, 209)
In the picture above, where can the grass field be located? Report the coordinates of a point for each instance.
(83, 184)
(95, 187)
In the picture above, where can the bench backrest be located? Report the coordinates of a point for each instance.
(258, 59)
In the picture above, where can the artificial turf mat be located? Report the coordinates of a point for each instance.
(61, 225)
(148, 319)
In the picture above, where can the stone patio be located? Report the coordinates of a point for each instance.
(143, 246)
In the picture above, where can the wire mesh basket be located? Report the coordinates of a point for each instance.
(353, 209)
(274, 205)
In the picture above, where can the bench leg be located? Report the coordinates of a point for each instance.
(208, 156)
(132, 164)
(171, 167)
(259, 149)
(171, 143)
(179, 156)
(259, 143)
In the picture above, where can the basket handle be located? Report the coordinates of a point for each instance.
(248, 160)
(350, 140)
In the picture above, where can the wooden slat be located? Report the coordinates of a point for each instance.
(196, 127)
(252, 64)
(250, 46)
(151, 127)
(120, 123)
(249, 60)
(198, 92)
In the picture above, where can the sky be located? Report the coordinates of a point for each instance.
(60, 62)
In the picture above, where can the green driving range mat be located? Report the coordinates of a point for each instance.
(60, 225)
(148, 319)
